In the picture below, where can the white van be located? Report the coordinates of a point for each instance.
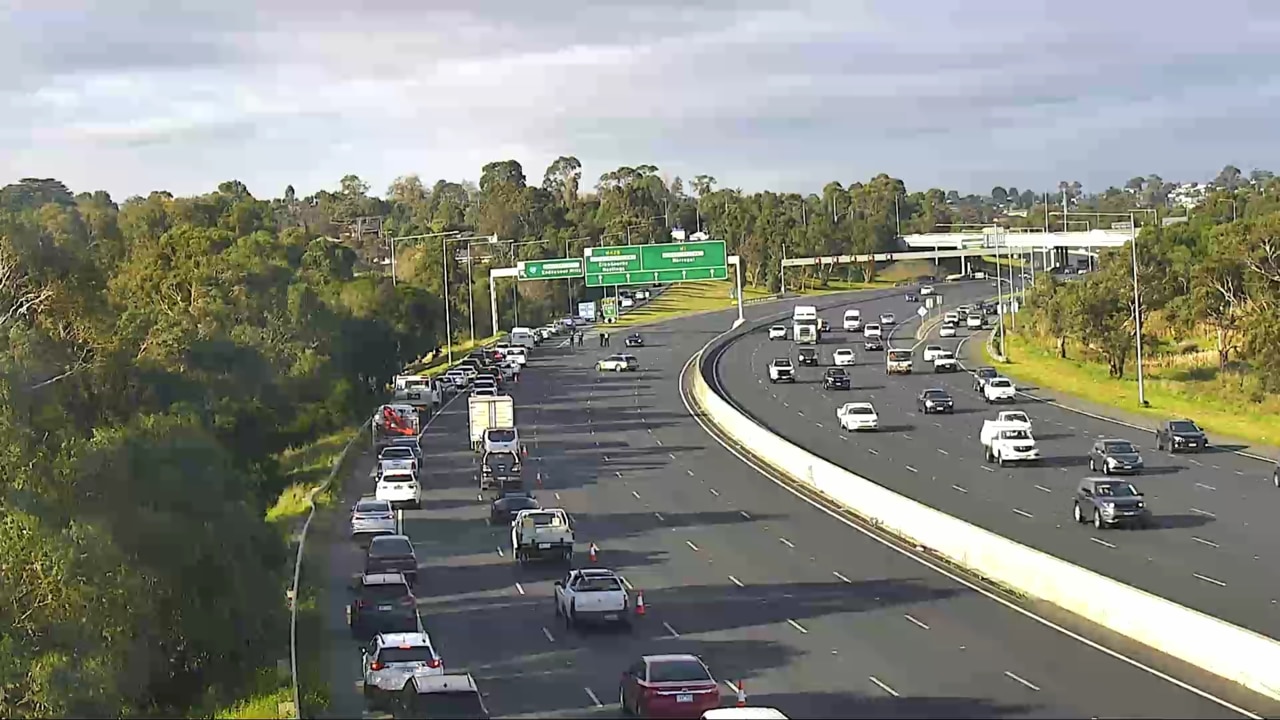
(522, 336)
(852, 320)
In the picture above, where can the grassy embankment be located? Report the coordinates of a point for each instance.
(1181, 377)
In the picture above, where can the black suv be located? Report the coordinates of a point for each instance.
(982, 376)
(935, 400)
(1107, 503)
(808, 356)
(384, 603)
(392, 554)
(1175, 435)
(634, 340)
(836, 379)
(1114, 456)
(504, 509)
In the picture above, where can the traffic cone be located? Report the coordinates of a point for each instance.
(539, 479)
(592, 555)
(742, 693)
(640, 602)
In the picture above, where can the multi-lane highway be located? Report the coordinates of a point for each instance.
(1214, 547)
(818, 618)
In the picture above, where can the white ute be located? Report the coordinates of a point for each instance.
(999, 389)
(778, 332)
(932, 351)
(541, 534)
(1004, 444)
(945, 361)
(858, 416)
(592, 595)
(843, 357)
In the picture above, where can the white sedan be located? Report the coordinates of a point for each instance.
(931, 352)
(842, 357)
(858, 416)
(888, 319)
(947, 330)
(778, 332)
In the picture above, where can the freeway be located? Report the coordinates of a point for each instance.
(1213, 545)
(817, 618)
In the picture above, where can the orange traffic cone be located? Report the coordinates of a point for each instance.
(640, 602)
(742, 693)
(592, 555)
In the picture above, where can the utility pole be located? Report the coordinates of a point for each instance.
(1137, 309)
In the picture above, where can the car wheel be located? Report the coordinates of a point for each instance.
(1076, 514)
(1091, 467)
(556, 602)
(1000, 460)
(1106, 469)
(1097, 520)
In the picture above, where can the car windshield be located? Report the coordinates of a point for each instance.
(899, 355)
(986, 372)
(808, 353)
(384, 592)
(1183, 426)
(397, 453)
(778, 328)
(936, 395)
(502, 436)
(782, 363)
(1120, 448)
(944, 355)
(1000, 383)
(836, 372)
(390, 547)
(1116, 489)
(934, 348)
(1017, 417)
(373, 506)
(598, 584)
(418, 653)
(678, 671)
(859, 410)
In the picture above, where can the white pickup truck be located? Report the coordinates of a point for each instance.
(1008, 442)
(542, 534)
(999, 389)
(945, 361)
(591, 595)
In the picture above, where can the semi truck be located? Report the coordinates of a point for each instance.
(485, 413)
(804, 325)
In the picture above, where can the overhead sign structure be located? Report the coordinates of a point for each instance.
(668, 262)
(554, 269)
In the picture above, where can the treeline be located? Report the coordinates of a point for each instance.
(155, 358)
(1213, 279)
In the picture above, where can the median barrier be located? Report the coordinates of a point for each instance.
(1214, 645)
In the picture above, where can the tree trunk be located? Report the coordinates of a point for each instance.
(1115, 365)
(1062, 347)
(1223, 350)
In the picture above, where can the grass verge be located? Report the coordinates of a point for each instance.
(686, 299)
(1214, 403)
(436, 363)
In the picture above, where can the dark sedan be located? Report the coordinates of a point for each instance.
(836, 379)
(935, 400)
(1176, 435)
(503, 510)
(634, 340)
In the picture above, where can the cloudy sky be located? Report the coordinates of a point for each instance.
(135, 95)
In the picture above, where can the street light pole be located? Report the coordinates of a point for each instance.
(1137, 309)
(404, 238)
(444, 282)
(1000, 297)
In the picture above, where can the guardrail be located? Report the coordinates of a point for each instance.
(1214, 645)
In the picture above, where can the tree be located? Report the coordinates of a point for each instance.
(999, 195)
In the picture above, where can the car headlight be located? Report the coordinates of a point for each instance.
(1108, 506)
(1112, 461)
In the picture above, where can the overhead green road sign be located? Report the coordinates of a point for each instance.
(556, 269)
(668, 262)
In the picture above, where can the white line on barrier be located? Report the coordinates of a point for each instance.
(941, 570)
(1023, 513)
(882, 686)
(788, 543)
(1205, 513)
(1206, 487)
(591, 694)
(691, 546)
(1202, 541)
(547, 633)
(671, 455)
(797, 626)
(1024, 682)
(617, 474)
(916, 622)
(957, 487)
(745, 514)
(1208, 579)
(519, 588)
(842, 578)
(1103, 542)
(736, 581)
(912, 469)
(671, 630)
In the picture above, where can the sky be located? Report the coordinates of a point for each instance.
(132, 96)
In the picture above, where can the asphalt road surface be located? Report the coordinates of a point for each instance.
(817, 618)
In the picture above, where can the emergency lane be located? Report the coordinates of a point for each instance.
(817, 618)
(1195, 555)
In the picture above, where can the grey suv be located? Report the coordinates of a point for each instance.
(1114, 456)
(1107, 503)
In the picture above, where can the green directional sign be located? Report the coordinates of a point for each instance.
(668, 262)
(556, 269)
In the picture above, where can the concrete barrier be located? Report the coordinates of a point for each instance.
(1226, 650)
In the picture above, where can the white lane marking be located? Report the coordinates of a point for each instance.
(1205, 513)
(736, 581)
(818, 424)
(843, 578)
(690, 472)
(942, 570)
(691, 546)
(944, 452)
(519, 588)
(912, 469)
(882, 686)
(1206, 487)
(593, 697)
(906, 436)
(745, 514)
(1208, 579)
(788, 543)
(785, 405)
(635, 494)
(957, 487)
(657, 440)
(500, 553)
(671, 630)
(1202, 541)
(1023, 513)
(984, 467)
(618, 474)
(1238, 472)
(1103, 542)
(844, 437)
(671, 455)
(659, 516)
(549, 636)
(1024, 682)
(713, 492)
(872, 451)
(557, 495)
(1197, 462)
(1041, 487)
(797, 626)
(916, 622)
(606, 458)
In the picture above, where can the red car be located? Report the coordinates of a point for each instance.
(668, 686)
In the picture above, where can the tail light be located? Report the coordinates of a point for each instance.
(407, 600)
(434, 663)
(650, 692)
(375, 665)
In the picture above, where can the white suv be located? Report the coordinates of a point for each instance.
(392, 659)
(399, 488)
(843, 357)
